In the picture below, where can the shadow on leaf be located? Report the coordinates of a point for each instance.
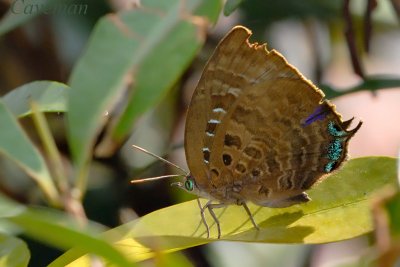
(277, 229)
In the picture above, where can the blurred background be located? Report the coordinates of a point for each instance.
(310, 34)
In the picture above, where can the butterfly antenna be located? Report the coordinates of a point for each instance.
(162, 159)
(154, 178)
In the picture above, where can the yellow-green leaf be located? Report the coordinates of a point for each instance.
(340, 210)
(13, 252)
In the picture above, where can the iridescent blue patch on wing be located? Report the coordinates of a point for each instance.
(320, 113)
(334, 130)
(329, 166)
(335, 150)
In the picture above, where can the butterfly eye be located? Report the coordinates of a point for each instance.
(189, 185)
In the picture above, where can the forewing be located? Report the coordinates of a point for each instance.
(213, 101)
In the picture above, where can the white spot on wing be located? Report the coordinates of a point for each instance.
(209, 134)
(206, 149)
(214, 121)
(219, 110)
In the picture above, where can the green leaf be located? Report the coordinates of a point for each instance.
(21, 12)
(340, 210)
(370, 83)
(9, 208)
(15, 145)
(393, 212)
(342, 198)
(14, 18)
(231, 6)
(13, 252)
(59, 230)
(176, 43)
(49, 96)
(149, 47)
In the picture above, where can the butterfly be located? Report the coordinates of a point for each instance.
(258, 131)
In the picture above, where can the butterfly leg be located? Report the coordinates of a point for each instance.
(250, 215)
(210, 208)
(203, 218)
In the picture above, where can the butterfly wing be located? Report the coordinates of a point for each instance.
(257, 130)
(212, 104)
(209, 108)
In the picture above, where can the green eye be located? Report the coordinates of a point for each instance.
(189, 185)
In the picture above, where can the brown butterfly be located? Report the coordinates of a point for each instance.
(258, 131)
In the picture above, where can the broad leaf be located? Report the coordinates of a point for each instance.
(340, 210)
(59, 230)
(15, 145)
(146, 49)
(9, 208)
(21, 12)
(48, 95)
(13, 252)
